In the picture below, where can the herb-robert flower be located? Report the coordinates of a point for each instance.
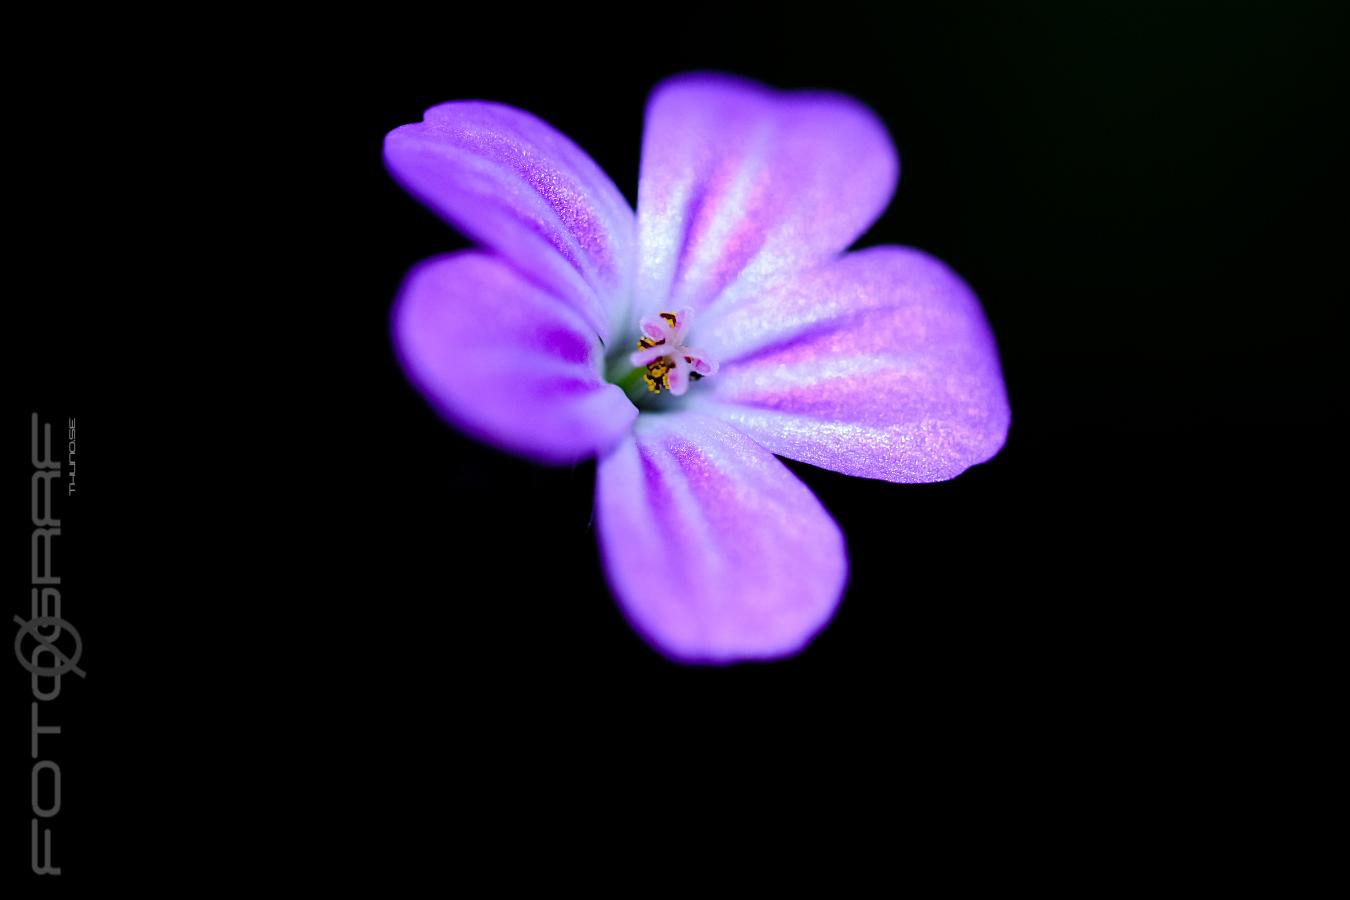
(686, 345)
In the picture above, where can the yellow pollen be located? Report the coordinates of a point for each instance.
(657, 375)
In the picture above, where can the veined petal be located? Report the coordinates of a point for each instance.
(751, 565)
(740, 182)
(880, 364)
(512, 182)
(505, 360)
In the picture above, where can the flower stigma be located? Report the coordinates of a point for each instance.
(662, 361)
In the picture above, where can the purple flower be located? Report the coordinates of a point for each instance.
(688, 344)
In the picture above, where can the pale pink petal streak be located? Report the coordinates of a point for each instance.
(880, 364)
(505, 360)
(740, 182)
(716, 552)
(514, 183)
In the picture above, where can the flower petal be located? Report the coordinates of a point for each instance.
(506, 361)
(751, 564)
(880, 364)
(512, 182)
(740, 182)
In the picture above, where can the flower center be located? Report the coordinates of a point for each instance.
(670, 364)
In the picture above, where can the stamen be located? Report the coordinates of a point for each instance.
(661, 350)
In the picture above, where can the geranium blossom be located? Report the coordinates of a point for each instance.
(686, 345)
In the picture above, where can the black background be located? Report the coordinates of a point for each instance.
(317, 619)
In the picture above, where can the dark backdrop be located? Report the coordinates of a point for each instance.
(1141, 198)
(1147, 201)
